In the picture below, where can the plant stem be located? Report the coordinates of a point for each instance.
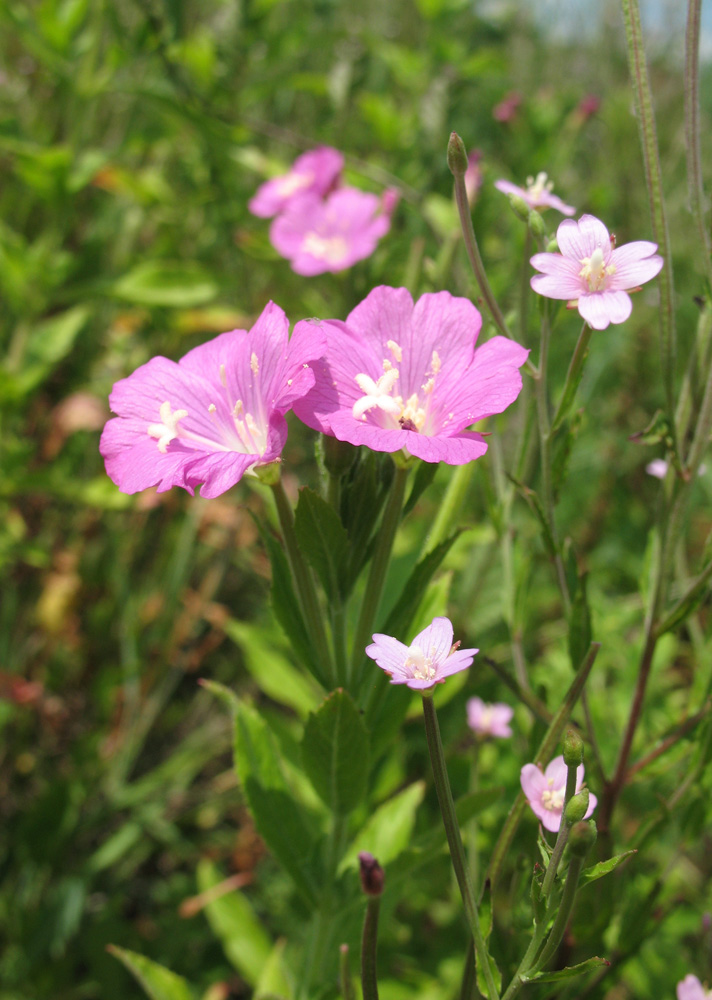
(562, 836)
(345, 980)
(692, 130)
(573, 377)
(651, 160)
(369, 942)
(379, 568)
(454, 839)
(563, 913)
(304, 583)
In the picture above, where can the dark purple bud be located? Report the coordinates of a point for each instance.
(371, 874)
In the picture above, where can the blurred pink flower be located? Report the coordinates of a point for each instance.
(489, 720)
(429, 660)
(588, 106)
(398, 375)
(659, 467)
(317, 236)
(591, 274)
(473, 175)
(507, 108)
(537, 194)
(316, 172)
(690, 988)
(545, 791)
(214, 415)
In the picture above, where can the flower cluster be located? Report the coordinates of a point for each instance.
(321, 225)
(545, 791)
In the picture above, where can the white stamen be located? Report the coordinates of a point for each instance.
(167, 430)
(395, 350)
(254, 364)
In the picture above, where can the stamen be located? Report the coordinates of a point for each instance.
(254, 364)
(167, 430)
(395, 350)
(223, 377)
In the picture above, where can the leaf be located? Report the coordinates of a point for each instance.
(568, 973)
(604, 867)
(579, 624)
(536, 506)
(363, 493)
(244, 939)
(323, 540)
(174, 284)
(401, 617)
(47, 344)
(158, 982)
(335, 752)
(424, 475)
(389, 830)
(563, 446)
(482, 982)
(273, 981)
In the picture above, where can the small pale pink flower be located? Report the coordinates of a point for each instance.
(429, 660)
(537, 194)
(593, 275)
(473, 176)
(398, 375)
(212, 416)
(489, 719)
(316, 172)
(659, 467)
(690, 988)
(317, 236)
(545, 791)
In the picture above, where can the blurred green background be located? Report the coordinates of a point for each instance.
(132, 134)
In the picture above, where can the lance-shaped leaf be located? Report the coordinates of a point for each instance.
(335, 752)
(158, 982)
(323, 540)
(389, 829)
(604, 867)
(568, 973)
(401, 617)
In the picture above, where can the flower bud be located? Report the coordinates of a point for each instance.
(552, 246)
(582, 837)
(371, 874)
(536, 224)
(573, 749)
(456, 155)
(268, 474)
(576, 807)
(519, 207)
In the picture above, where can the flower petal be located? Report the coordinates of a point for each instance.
(601, 308)
(390, 655)
(579, 239)
(635, 263)
(556, 771)
(560, 277)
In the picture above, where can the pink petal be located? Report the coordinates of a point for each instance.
(592, 803)
(436, 639)
(506, 187)
(553, 201)
(635, 264)
(579, 239)
(690, 988)
(560, 278)
(454, 449)
(491, 383)
(217, 472)
(533, 782)
(390, 655)
(556, 771)
(385, 314)
(461, 659)
(601, 308)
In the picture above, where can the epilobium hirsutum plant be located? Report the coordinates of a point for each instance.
(399, 390)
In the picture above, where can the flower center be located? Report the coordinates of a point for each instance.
(331, 249)
(539, 187)
(410, 414)
(421, 664)
(292, 183)
(167, 430)
(594, 271)
(553, 798)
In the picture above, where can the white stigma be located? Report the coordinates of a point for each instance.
(536, 188)
(421, 664)
(594, 271)
(167, 430)
(376, 394)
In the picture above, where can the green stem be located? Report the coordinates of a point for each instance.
(525, 287)
(653, 179)
(347, 985)
(701, 438)
(304, 583)
(563, 913)
(562, 836)
(692, 130)
(369, 941)
(379, 568)
(450, 505)
(573, 377)
(454, 839)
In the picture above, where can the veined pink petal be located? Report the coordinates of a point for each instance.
(533, 782)
(314, 172)
(490, 384)
(385, 314)
(690, 988)
(437, 638)
(133, 461)
(601, 308)
(426, 662)
(390, 655)
(461, 659)
(580, 239)
(635, 263)
(560, 277)
(557, 770)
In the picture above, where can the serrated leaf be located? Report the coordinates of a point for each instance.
(389, 829)
(158, 982)
(173, 284)
(568, 973)
(245, 941)
(604, 867)
(322, 539)
(335, 752)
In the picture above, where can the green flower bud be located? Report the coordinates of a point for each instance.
(552, 246)
(519, 207)
(456, 155)
(536, 224)
(576, 807)
(573, 749)
(269, 473)
(582, 837)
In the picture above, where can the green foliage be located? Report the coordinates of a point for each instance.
(335, 752)
(157, 982)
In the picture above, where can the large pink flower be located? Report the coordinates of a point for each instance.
(545, 791)
(429, 660)
(592, 274)
(537, 194)
(316, 172)
(215, 414)
(401, 376)
(317, 236)
(690, 988)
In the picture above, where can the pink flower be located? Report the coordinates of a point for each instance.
(537, 194)
(318, 236)
(429, 660)
(591, 274)
(545, 791)
(690, 988)
(316, 172)
(212, 416)
(401, 376)
(507, 108)
(473, 175)
(489, 720)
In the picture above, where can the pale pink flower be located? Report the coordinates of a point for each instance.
(690, 988)
(659, 467)
(545, 791)
(489, 719)
(537, 194)
(429, 660)
(593, 275)
(473, 176)
(315, 172)
(214, 415)
(506, 110)
(398, 375)
(317, 236)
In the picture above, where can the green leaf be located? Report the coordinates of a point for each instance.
(158, 982)
(401, 617)
(563, 446)
(389, 830)
(233, 920)
(286, 606)
(568, 973)
(424, 475)
(174, 284)
(537, 508)
(335, 752)
(323, 539)
(604, 867)
(363, 494)
(47, 344)
(273, 980)
(579, 624)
